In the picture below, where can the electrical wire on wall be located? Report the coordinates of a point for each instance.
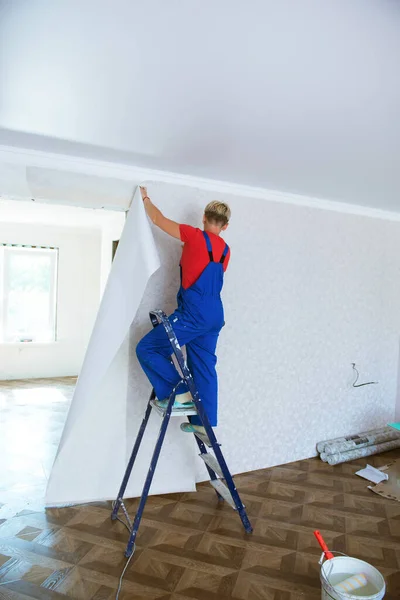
(357, 385)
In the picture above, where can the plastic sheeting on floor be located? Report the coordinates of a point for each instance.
(108, 403)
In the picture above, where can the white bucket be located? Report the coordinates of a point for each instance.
(340, 568)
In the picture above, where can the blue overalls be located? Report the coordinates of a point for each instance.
(197, 322)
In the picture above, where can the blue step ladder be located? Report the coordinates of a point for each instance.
(220, 477)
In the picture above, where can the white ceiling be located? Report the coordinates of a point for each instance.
(299, 96)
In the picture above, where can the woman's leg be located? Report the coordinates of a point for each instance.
(202, 360)
(154, 354)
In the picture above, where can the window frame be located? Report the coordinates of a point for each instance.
(6, 250)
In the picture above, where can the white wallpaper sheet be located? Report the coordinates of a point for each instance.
(104, 417)
(307, 293)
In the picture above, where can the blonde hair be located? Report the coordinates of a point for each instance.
(217, 213)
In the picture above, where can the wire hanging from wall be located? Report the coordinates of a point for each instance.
(357, 385)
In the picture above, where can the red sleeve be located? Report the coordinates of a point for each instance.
(226, 261)
(187, 232)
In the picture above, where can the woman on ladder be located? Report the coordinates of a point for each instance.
(199, 317)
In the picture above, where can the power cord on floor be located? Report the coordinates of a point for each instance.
(122, 576)
(123, 523)
(130, 557)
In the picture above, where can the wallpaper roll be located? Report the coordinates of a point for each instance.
(347, 438)
(369, 439)
(112, 392)
(342, 457)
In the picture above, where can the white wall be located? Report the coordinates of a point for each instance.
(307, 293)
(77, 302)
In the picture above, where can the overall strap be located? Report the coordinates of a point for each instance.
(209, 247)
(225, 252)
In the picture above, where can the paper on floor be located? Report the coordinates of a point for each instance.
(391, 488)
(372, 474)
(108, 403)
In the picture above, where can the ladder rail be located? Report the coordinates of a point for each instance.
(156, 319)
(150, 474)
(128, 471)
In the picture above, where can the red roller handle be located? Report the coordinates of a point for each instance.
(321, 542)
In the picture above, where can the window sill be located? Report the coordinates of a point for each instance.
(29, 344)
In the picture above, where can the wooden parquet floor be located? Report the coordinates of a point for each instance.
(189, 547)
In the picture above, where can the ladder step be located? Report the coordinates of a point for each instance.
(204, 438)
(174, 413)
(223, 491)
(212, 462)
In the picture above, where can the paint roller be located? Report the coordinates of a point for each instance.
(350, 584)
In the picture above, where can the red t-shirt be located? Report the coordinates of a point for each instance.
(195, 254)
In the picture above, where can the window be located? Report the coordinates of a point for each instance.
(28, 293)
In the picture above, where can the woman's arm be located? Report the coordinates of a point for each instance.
(158, 218)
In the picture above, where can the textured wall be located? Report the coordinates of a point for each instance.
(307, 293)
